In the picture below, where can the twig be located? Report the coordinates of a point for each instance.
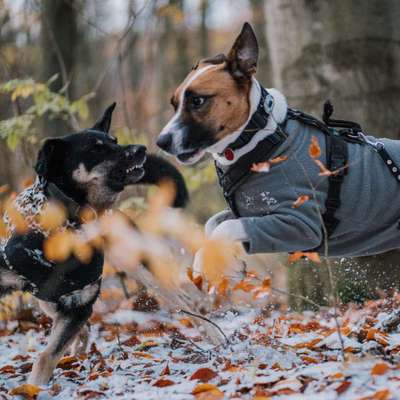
(327, 262)
(207, 320)
(298, 296)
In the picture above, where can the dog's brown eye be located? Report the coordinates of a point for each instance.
(198, 101)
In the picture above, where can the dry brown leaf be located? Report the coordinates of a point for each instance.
(261, 167)
(380, 369)
(314, 150)
(343, 387)
(58, 246)
(204, 375)
(163, 383)
(26, 390)
(165, 370)
(300, 200)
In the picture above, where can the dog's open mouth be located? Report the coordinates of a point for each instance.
(127, 174)
(190, 157)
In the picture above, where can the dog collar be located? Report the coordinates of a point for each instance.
(258, 121)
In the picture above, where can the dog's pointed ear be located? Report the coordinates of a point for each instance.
(243, 56)
(50, 157)
(104, 123)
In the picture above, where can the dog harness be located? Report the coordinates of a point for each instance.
(338, 134)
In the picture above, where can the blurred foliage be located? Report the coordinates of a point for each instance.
(32, 101)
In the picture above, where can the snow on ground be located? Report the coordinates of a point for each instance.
(147, 356)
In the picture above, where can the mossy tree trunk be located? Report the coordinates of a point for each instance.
(348, 52)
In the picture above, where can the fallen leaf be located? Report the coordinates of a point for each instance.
(300, 200)
(383, 394)
(163, 383)
(26, 390)
(207, 389)
(343, 387)
(222, 287)
(165, 370)
(380, 369)
(204, 375)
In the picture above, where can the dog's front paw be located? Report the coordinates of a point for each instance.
(216, 220)
(232, 229)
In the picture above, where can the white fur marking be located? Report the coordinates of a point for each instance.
(277, 115)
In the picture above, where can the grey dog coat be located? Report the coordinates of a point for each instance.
(369, 214)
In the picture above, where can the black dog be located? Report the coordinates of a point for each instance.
(79, 170)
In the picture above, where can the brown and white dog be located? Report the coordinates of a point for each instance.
(212, 106)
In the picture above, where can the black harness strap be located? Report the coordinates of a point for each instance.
(231, 179)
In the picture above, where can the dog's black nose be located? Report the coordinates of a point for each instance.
(164, 141)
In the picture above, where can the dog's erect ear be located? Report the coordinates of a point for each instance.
(243, 56)
(104, 123)
(49, 160)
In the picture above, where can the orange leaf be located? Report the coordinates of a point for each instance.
(300, 200)
(204, 375)
(383, 394)
(261, 167)
(163, 383)
(278, 160)
(314, 150)
(244, 285)
(26, 390)
(211, 391)
(380, 369)
(222, 288)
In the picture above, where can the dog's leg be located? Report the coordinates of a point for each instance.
(81, 341)
(66, 326)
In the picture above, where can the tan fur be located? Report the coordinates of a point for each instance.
(228, 109)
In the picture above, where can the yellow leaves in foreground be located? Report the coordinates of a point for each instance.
(61, 244)
(52, 216)
(26, 390)
(16, 218)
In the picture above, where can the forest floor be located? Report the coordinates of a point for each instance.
(136, 355)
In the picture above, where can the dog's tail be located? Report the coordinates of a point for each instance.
(157, 169)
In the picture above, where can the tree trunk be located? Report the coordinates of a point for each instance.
(59, 35)
(348, 52)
